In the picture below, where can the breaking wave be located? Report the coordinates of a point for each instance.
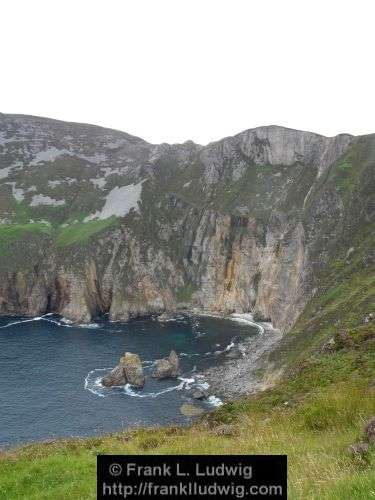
(94, 385)
(247, 318)
(63, 322)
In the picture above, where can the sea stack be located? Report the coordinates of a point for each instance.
(128, 371)
(167, 367)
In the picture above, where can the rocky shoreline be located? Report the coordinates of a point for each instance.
(238, 377)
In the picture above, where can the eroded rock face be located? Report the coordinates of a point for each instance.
(133, 369)
(248, 223)
(115, 378)
(128, 371)
(167, 367)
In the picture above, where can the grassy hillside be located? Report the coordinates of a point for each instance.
(315, 411)
(321, 382)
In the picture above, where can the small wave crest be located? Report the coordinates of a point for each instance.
(45, 317)
(214, 401)
(246, 318)
(63, 322)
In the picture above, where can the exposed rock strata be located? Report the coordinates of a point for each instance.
(246, 223)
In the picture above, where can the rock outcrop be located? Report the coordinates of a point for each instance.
(115, 378)
(95, 221)
(167, 367)
(128, 371)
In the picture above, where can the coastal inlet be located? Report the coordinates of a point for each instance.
(52, 372)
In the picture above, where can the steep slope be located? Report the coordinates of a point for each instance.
(95, 221)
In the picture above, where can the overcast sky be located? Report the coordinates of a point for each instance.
(173, 70)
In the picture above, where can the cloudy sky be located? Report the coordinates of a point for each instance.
(172, 70)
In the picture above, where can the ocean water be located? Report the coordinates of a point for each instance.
(50, 373)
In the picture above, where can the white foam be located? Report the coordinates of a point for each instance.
(93, 382)
(214, 401)
(88, 325)
(130, 392)
(66, 320)
(246, 318)
(229, 346)
(94, 385)
(56, 322)
(38, 318)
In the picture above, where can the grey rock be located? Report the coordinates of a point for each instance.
(115, 377)
(359, 449)
(224, 430)
(167, 367)
(128, 371)
(214, 227)
(329, 346)
(369, 430)
(259, 316)
(369, 317)
(199, 394)
(133, 369)
(234, 354)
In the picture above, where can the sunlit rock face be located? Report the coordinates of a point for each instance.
(96, 221)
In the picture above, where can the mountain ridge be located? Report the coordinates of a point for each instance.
(97, 221)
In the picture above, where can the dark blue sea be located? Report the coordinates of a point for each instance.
(50, 373)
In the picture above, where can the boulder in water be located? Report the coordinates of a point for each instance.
(133, 369)
(167, 367)
(128, 371)
(116, 377)
(199, 393)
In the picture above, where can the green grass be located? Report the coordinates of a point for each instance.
(72, 234)
(81, 232)
(314, 433)
(10, 233)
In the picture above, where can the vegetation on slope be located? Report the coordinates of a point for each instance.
(316, 410)
(12, 233)
(323, 379)
(81, 232)
(62, 235)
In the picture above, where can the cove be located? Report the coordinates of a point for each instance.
(51, 371)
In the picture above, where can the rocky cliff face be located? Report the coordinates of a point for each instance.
(95, 221)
